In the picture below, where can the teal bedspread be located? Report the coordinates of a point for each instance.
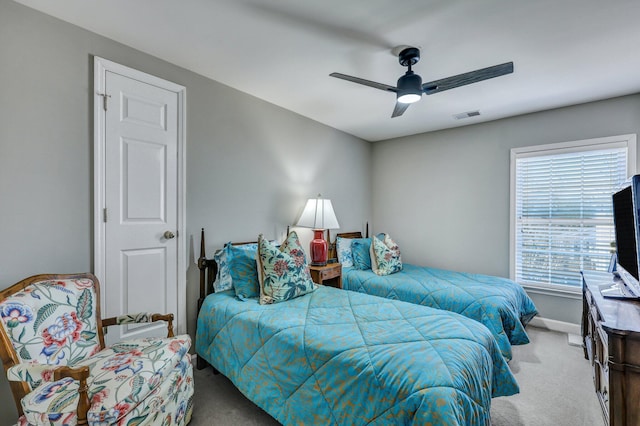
(500, 304)
(335, 357)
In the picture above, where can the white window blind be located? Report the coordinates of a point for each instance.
(563, 214)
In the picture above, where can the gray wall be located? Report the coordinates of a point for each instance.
(250, 164)
(444, 196)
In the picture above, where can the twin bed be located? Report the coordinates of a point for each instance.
(343, 357)
(500, 304)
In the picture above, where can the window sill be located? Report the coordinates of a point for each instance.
(564, 291)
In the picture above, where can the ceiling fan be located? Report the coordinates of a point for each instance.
(410, 87)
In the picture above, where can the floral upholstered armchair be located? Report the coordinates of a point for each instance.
(52, 348)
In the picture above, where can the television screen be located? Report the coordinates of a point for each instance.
(625, 229)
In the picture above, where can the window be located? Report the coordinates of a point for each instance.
(561, 213)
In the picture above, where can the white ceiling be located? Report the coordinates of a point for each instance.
(565, 52)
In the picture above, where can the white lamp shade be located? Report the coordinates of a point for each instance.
(318, 214)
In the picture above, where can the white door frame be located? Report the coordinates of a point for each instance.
(100, 67)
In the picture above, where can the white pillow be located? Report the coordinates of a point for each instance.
(343, 247)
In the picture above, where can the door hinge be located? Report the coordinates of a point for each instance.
(104, 102)
(104, 215)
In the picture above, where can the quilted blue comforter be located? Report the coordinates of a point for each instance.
(335, 357)
(500, 304)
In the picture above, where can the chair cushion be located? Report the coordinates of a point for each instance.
(121, 377)
(170, 403)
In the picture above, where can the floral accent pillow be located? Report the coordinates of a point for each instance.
(343, 247)
(360, 251)
(387, 256)
(285, 272)
(242, 268)
(223, 276)
(374, 261)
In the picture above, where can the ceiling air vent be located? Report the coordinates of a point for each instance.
(467, 114)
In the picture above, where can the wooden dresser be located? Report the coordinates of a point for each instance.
(611, 334)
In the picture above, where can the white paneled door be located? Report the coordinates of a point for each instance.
(140, 204)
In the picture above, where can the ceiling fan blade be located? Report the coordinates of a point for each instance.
(399, 109)
(369, 83)
(467, 78)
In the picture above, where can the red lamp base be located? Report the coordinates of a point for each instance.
(318, 248)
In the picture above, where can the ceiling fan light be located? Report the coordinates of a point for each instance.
(408, 98)
(409, 88)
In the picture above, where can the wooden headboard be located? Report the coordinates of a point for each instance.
(209, 268)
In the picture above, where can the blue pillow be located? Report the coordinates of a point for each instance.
(243, 269)
(360, 250)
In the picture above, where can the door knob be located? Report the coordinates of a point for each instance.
(168, 235)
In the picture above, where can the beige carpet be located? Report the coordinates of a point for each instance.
(556, 389)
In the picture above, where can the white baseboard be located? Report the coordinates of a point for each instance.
(555, 325)
(574, 340)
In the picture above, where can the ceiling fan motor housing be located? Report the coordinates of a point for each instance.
(409, 56)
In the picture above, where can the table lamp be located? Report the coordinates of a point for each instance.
(318, 215)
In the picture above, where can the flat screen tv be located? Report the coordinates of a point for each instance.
(626, 214)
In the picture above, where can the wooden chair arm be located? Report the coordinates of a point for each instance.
(35, 372)
(141, 318)
(47, 373)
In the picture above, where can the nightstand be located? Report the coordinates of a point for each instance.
(330, 274)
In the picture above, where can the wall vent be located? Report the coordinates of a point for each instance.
(467, 114)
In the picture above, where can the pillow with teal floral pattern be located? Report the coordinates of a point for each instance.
(374, 262)
(387, 256)
(343, 247)
(360, 252)
(284, 270)
(242, 268)
(223, 276)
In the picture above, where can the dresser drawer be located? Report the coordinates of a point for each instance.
(602, 383)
